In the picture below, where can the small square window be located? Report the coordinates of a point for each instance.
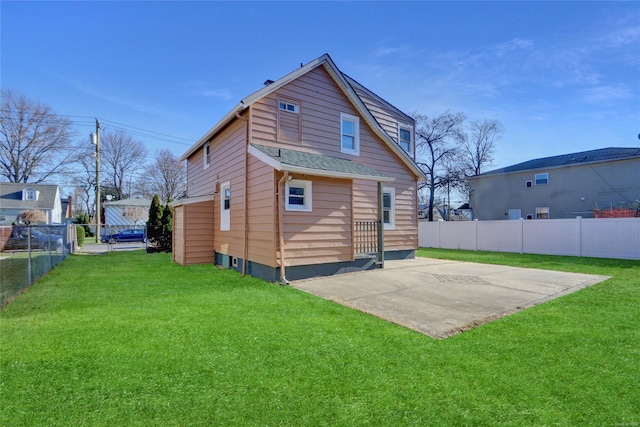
(288, 106)
(542, 178)
(298, 194)
(528, 183)
(542, 213)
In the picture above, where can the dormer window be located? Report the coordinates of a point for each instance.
(29, 194)
(405, 137)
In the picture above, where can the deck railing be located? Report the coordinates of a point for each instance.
(366, 239)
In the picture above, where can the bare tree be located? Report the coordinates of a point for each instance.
(167, 176)
(32, 215)
(35, 143)
(84, 181)
(479, 144)
(437, 142)
(121, 156)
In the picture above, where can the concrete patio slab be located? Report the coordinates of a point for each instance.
(441, 298)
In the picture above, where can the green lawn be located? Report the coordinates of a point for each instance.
(132, 339)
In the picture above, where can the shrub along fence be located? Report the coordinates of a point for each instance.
(29, 252)
(587, 237)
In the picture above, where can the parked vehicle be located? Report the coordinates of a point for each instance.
(128, 235)
(47, 241)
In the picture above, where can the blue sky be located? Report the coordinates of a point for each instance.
(560, 76)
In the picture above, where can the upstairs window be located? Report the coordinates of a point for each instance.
(542, 178)
(349, 134)
(289, 106)
(207, 155)
(298, 194)
(405, 138)
(30, 195)
(289, 121)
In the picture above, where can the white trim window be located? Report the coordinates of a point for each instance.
(389, 208)
(349, 134)
(542, 178)
(289, 106)
(298, 195)
(542, 213)
(206, 155)
(405, 137)
(225, 206)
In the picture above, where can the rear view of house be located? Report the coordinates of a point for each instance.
(313, 174)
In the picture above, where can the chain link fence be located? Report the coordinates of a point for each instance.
(29, 252)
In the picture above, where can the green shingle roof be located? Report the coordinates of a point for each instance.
(299, 161)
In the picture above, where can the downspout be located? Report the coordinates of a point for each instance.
(245, 245)
(280, 200)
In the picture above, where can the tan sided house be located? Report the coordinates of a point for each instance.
(296, 180)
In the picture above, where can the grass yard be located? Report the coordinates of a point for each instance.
(133, 339)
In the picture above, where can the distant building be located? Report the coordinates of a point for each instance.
(18, 197)
(564, 186)
(130, 212)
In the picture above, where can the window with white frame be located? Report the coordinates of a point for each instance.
(542, 213)
(288, 106)
(542, 178)
(389, 208)
(30, 195)
(298, 195)
(207, 155)
(225, 206)
(405, 137)
(349, 134)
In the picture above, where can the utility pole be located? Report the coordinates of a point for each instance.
(98, 212)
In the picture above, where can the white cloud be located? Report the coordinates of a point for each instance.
(607, 94)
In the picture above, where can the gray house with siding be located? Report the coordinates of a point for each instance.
(564, 186)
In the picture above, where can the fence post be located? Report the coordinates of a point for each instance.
(579, 219)
(475, 232)
(29, 251)
(521, 235)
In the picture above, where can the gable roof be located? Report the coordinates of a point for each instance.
(343, 83)
(582, 157)
(283, 159)
(11, 196)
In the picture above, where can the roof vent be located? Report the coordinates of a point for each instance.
(268, 82)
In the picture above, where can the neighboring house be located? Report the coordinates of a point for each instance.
(129, 212)
(67, 211)
(295, 179)
(563, 186)
(19, 197)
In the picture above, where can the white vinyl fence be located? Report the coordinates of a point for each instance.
(587, 237)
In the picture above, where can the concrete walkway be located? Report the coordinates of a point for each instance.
(441, 298)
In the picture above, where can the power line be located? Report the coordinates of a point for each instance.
(90, 122)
